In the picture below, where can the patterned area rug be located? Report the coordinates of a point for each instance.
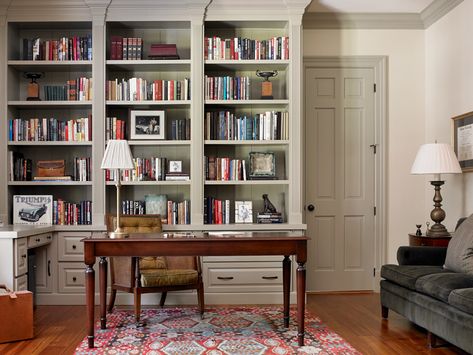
(224, 330)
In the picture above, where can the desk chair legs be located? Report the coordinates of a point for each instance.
(200, 299)
(163, 299)
(111, 302)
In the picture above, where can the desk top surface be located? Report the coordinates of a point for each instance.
(166, 236)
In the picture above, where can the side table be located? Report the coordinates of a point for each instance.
(423, 240)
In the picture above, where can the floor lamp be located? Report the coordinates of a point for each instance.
(436, 159)
(118, 157)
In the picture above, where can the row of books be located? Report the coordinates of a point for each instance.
(226, 125)
(227, 88)
(69, 213)
(216, 211)
(64, 48)
(126, 48)
(180, 129)
(82, 170)
(50, 129)
(146, 169)
(20, 169)
(130, 207)
(138, 89)
(237, 48)
(79, 89)
(224, 169)
(114, 128)
(179, 212)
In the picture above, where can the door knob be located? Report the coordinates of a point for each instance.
(311, 207)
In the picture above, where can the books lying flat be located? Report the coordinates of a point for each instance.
(52, 178)
(163, 51)
(264, 218)
(177, 177)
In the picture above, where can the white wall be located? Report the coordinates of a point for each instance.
(406, 111)
(449, 92)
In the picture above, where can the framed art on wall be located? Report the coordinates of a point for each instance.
(32, 209)
(147, 124)
(462, 133)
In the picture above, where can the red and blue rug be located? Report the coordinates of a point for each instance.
(222, 331)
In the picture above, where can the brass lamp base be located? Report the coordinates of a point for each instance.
(437, 214)
(118, 235)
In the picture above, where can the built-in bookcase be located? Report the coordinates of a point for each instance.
(176, 108)
(247, 36)
(38, 143)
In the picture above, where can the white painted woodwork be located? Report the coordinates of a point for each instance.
(340, 175)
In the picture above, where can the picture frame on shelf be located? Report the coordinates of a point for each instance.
(243, 212)
(175, 166)
(262, 165)
(462, 138)
(33, 209)
(147, 124)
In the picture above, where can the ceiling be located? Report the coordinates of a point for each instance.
(369, 6)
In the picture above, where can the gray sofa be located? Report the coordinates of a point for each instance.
(430, 295)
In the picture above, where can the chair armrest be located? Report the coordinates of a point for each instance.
(410, 255)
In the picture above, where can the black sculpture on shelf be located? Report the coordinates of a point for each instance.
(268, 207)
(418, 232)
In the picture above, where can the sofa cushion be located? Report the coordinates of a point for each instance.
(406, 275)
(441, 285)
(462, 299)
(460, 248)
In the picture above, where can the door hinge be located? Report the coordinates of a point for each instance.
(374, 272)
(374, 210)
(374, 87)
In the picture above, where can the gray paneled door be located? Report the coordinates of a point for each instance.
(340, 178)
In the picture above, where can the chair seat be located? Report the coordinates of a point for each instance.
(152, 262)
(166, 277)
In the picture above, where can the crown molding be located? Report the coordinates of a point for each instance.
(48, 10)
(436, 10)
(330, 20)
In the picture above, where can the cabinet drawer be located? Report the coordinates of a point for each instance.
(72, 278)
(70, 247)
(21, 256)
(21, 283)
(243, 277)
(35, 241)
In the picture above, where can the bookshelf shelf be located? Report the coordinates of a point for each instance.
(159, 142)
(246, 142)
(50, 183)
(49, 143)
(51, 65)
(149, 65)
(247, 102)
(248, 64)
(151, 183)
(247, 182)
(149, 103)
(50, 104)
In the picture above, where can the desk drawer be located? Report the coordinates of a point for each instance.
(21, 255)
(72, 278)
(38, 240)
(21, 283)
(243, 277)
(70, 247)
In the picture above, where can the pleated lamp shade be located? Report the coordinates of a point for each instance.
(117, 155)
(436, 158)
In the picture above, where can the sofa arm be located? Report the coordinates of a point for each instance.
(421, 255)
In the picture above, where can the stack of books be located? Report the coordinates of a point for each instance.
(163, 51)
(177, 176)
(267, 218)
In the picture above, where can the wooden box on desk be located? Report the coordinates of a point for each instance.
(16, 309)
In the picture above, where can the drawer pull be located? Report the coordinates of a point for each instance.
(269, 277)
(49, 268)
(38, 240)
(74, 279)
(225, 278)
(49, 237)
(24, 256)
(74, 247)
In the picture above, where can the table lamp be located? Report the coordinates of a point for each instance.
(117, 156)
(436, 159)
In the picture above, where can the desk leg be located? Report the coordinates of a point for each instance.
(103, 291)
(90, 292)
(286, 282)
(300, 301)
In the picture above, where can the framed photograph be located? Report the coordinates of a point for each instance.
(175, 166)
(147, 124)
(262, 166)
(463, 140)
(243, 212)
(32, 209)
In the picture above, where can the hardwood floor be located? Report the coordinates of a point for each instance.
(356, 317)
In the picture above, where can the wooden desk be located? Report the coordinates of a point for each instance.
(203, 244)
